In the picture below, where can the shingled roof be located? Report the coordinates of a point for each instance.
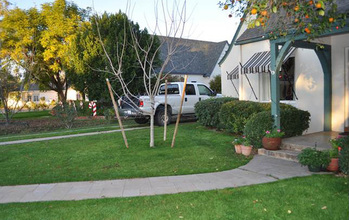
(192, 57)
(259, 33)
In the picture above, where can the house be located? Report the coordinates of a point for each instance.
(312, 79)
(195, 58)
(34, 94)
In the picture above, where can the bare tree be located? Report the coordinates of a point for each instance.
(170, 22)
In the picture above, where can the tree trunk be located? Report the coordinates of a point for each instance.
(61, 96)
(152, 101)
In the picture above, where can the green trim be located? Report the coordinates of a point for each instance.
(232, 41)
(325, 60)
(251, 40)
(275, 63)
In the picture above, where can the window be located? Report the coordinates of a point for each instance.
(203, 90)
(171, 89)
(36, 98)
(287, 80)
(78, 97)
(190, 89)
(29, 98)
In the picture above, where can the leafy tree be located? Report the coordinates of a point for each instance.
(92, 65)
(216, 84)
(40, 41)
(308, 17)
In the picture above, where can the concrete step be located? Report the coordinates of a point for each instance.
(292, 146)
(290, 155)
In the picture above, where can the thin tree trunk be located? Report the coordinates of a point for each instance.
(152, 101)
(165, 125)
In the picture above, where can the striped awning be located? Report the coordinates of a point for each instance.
(260, 62)
(234, 74)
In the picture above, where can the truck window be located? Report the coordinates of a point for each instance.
(203, 90)
(190, 89)
(171, 89)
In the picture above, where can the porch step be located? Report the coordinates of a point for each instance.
(290, 155)
(292, 147)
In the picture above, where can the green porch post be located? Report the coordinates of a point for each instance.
(325, 60)
(275, 63)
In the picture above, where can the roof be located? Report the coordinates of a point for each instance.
(258, 33)
(192, 57)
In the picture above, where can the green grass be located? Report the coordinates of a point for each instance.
(32, 114)
(318, 197)
(60, 132)
(104, 156)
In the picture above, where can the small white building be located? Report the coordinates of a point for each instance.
(195, 58)
(303, 82)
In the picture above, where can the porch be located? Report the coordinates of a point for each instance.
(291, 147)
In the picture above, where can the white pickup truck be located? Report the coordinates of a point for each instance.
(194, 93)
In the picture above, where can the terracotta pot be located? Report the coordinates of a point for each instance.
(238, 149)
(271, 143)
(246, 150)
(333, 166)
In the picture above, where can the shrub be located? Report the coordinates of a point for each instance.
(66, 113)
(294, 121)
(207, 111)
(216, 84)
(344, 155)
(234, 115)
(313, 157)
(267, 106)
(256, 126)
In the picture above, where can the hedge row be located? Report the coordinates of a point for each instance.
(250, 118)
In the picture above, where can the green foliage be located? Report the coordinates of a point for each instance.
(216, 84)
(109, 114)
(313, 157)
(92, 67)
(294, 121)
(274, 133)
(256, 126)
(234, 115)
(238, 141)
(207, 111)
(66, 113)
(344, 155)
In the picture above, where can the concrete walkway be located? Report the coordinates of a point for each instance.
(260, 169)
(67, 136)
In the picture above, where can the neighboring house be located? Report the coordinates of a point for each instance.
(34, 94)
(320, 87)
(197, 59)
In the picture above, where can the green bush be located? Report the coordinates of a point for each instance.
(256, 126)
(313, 157)
(207, 111)
(234, 115)
(294, 121)
(66, 113)
(267, 106)
(216, 84)
(344, 155)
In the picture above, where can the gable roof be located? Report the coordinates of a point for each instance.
(192, 57)
(258, 33)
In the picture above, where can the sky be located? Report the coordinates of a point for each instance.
(206, 21)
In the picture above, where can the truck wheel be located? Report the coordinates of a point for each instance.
(160, 116)
(142, 120)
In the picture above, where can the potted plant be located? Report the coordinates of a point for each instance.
(272, 139)
(246, 147)
(237, 144)
(314, 159)
(334, 154)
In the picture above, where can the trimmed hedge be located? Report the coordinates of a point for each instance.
(234, 115)
(344, 155)
(256, 126)
(207, 111)
(293, 122)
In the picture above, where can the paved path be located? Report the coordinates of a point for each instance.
(260, 169)
(66, 136)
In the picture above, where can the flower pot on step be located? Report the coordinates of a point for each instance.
(238, 149)
(246, 150)
(333, 166)
(273, 143)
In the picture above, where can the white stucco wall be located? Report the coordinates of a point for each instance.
(309, 82)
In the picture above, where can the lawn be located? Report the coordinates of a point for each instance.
(32, 114)
(104, 156)
(316, 197)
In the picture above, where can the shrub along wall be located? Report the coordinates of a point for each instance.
(344, 155)
(207, 111)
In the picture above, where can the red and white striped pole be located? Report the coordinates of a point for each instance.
(92, 105)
